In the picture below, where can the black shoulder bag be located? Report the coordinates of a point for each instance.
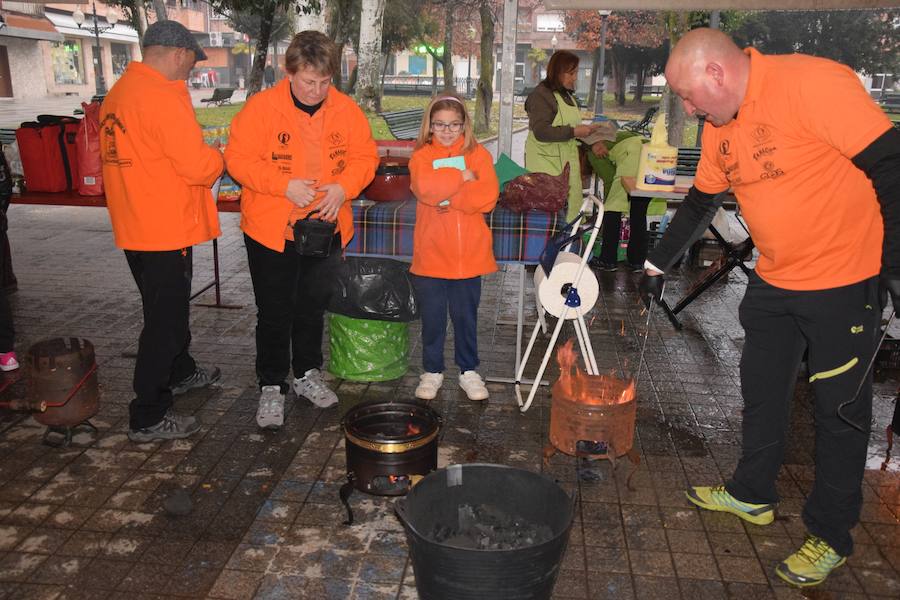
(313, 237)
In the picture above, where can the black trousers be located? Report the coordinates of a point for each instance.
(164, 280)
(292, 293)
(636, 253)
(7, 332)
(840, 328)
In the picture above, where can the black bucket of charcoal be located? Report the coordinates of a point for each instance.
(479, 531)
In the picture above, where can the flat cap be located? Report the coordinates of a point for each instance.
(174, 35)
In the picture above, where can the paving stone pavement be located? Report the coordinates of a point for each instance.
(87, 521)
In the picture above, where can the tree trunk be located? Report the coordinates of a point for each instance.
(368, 93)
(639, 87)
(262, 48)
(159, 7)
(337, 78)
(595, 72)
(679, 24)
(434, 65)
(618, 74)
(351, 81)
(449, 81)
(484, 93)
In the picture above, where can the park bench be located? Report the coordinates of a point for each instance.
(642, 125)
(404, 124)
(890, 103)
(220, 96)
(686, 164)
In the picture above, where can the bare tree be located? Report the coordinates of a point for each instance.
(371, 20)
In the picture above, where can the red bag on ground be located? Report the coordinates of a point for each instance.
(537, 191)
(90, 166)
(49, 153)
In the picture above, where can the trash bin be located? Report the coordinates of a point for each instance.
(367, 350)
(449, 572)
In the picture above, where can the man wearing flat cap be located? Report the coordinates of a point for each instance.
(158, 172)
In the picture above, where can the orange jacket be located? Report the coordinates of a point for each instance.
(452, 241)
(156, 169)
(265, 151)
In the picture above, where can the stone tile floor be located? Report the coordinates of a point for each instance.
(87, 521)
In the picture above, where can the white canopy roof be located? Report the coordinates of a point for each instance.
(684, 5)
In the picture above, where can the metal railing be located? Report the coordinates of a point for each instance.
(421, 85)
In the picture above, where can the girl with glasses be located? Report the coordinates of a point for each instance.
(454, 182)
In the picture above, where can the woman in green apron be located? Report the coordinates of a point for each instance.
(554, 122)
(622, 160)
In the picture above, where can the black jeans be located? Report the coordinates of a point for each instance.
(840, 328)
(7, 332)
(164, 280)
(637, 242)
(292, 293)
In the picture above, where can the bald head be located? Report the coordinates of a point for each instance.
(710, 73)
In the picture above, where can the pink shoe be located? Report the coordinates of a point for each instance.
(8, 362)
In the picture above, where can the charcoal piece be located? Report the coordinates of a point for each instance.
(487, 527)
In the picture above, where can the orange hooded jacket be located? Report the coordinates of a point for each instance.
(156, 169)
(265, 151)
(451, 240)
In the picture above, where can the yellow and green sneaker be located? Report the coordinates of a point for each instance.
(811, 564)
(716, 498)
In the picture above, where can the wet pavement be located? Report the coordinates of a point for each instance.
(88, 521)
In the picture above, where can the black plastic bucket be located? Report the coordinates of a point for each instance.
(445, 572)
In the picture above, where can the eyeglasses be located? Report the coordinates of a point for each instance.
(454, 127)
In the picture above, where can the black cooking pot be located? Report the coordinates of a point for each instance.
(390, 446)
(391, 181)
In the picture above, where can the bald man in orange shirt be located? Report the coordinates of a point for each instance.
(815, 166)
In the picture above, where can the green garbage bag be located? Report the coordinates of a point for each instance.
(367, 350)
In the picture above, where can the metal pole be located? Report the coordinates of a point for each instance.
(98, 67)
(598, 95)
(507, 75)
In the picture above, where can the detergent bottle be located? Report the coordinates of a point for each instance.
(656, 169)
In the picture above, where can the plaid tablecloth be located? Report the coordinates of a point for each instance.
(386, 229)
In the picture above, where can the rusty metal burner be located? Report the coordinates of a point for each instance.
(62, 381)
(390, 446)
(591, 416)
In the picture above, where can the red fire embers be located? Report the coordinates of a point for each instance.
(412, 430)
(578, 386)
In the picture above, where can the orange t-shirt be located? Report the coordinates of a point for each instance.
(787, 156)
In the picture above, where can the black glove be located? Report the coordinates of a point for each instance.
(890, 286)
(650, 288)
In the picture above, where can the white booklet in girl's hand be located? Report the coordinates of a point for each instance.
(454, 162)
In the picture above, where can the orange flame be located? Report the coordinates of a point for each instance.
(580, 387)
(413, 429)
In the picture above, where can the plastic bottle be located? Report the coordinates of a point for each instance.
(656, 169)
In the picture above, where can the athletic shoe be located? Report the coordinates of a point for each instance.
(473, 385)
(811, 564)
(198, 379)
(8, 362)
(171, 427)
(604, 266)
(270, 414)
(312, 387)
(429, 384)
(716, 498)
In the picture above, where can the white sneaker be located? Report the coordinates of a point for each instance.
(473, 385)
(312, 387)
(270, 414)
(429, 384)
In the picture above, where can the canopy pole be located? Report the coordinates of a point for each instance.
(507, 75)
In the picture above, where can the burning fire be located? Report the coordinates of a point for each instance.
(580, 387)
(412, 429)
